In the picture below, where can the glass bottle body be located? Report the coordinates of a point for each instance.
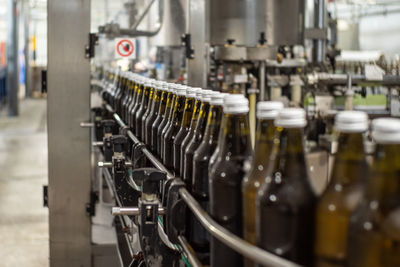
(140, 112)
(157, 123)
(155, 106)
(339, 200)
(146, 114)
(164, 124)
(183, 131)
(225, 186)
(286, 202)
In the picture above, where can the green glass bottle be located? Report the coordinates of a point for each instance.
(147, 89)
(148, 110)
(266, 114)
(286, 201)
(154, 109)
(226, 178)
(160, 116)
(343, 192)
(164, 122)
(374, 234)
(137, 104)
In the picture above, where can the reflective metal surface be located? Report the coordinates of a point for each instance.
(174, 23)
(68, 143)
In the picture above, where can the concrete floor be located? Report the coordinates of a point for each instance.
(24, 239)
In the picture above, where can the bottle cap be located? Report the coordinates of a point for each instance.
(386, 130)
(206, 95)
(291, 118)
(351, 121)
(199, 93)
(218, 99)
(169, 87)
(268, 109)
(191, 92)
(236, 103)
(181, 90)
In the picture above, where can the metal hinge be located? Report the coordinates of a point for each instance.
(46, 196)
(187, 43)
(93, 40)
(44, 81)
(91, 206)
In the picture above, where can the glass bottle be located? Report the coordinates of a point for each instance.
(155, 107)
(142, 109)
(286, 202)
(165, 123)
(175, 124)
(374, 234)
(192, 128)
(266, 113)
(133, 102)
(165, 97)
(126, 96)
(184, 129)
(148, 110)
(199, 237)
(343, 192)
(137, 105)
(197, 138)
(226, 179)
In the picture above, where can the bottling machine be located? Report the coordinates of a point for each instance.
(106, 207)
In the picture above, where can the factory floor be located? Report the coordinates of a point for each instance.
(24, 239)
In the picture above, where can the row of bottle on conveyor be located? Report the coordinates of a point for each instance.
(265, 195)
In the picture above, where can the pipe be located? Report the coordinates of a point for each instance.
(12, 59)
(194, 261)
(145, 11)
(261, 78)
(319, 23)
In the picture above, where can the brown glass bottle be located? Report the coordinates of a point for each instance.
(142, 109)
(343, 192)
(266, 113)
(165, 123)
(147, 112)
(155, 106)
(199, 237)
(192, 128)
(132, 103)
(136, 107)
(165, 97)
(196, 139)
(226, 179)
(172, 131)
(126, 97)
(374, 234)
(184, 129)
(286, 201)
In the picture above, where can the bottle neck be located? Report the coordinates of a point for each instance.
(188, 112)
(146, 97)
(288, 153)
(213, 124)
(350, 159)
(235, 138)
(384, 184)
(195, 116)
(156, 100)
(163, 102)
(202, 120)
(178, 110)
(263, 145)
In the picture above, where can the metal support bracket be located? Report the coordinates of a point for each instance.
(93, 40)
(187, 43)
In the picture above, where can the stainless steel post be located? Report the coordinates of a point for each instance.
(68, 104)
(26, 48)
(320, 22)
(12, 59)
(262, 80)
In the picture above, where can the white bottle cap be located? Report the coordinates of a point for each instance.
(291, 118)
(235, 104)
(199, 93)
(170, 87)
(180, 90)
(206, 95)
(218, 99)
(386, 130)
(351, 121)
(191, 92)
(268, 109)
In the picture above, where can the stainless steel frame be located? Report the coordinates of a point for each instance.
(69, 144)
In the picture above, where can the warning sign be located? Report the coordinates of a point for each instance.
(125, 48)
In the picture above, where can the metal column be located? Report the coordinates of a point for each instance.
(320, 22)
(26, 15)
(12, 59)
(68, 82)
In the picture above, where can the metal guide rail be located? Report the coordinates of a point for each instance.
(229, 239)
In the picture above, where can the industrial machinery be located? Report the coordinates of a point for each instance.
(261, 49)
